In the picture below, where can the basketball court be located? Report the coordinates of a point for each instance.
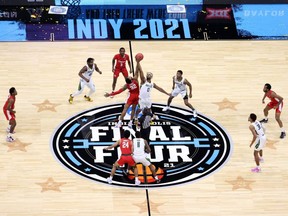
(227, 79)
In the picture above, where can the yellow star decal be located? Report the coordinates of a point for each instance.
(46, 105)
(17, 145)
(50, 184)
(270, 143)
(144, 208)
(226, 104)
(240, 183)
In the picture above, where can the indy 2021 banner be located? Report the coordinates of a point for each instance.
(144, 22)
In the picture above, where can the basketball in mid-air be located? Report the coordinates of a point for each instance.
(139, 56)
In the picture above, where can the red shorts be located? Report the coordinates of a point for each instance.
(122, 70)
(126, 160)
(133, 99)
(9, 115)
(272, 105)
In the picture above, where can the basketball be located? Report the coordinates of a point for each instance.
(148, 176)
(139, 56)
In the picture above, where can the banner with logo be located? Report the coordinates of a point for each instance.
(148, 22)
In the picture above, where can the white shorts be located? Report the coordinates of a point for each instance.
(177, 91)
(142, 159)
(83, 83)
(260, 143)
(145, 103)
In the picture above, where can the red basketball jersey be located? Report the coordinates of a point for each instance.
(133, 87)
(6, 103)
(273, 100)
(121, 61)
(125, 146)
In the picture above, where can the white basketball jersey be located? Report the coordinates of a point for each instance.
(258, 128)
(88, 73)
(145, 90)
(180, 84)
(139, 147)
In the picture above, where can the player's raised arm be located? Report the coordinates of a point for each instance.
(141, 73)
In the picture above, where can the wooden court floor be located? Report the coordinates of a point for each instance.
(227, 79)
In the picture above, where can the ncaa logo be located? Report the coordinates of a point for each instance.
(183, 149)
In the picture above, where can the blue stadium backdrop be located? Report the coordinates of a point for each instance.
(28, 20)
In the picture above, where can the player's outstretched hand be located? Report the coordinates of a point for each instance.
(106, 94)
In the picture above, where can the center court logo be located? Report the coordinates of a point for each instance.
(184, 149)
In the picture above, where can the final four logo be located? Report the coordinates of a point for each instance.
(184, 149)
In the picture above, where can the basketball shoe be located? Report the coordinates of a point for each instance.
(10, 139)
(157, 179)
(264, 120)
(109, 180)
(87, 98)
(165, 109)
(194, 113)
(137, 182)
(256, 170)
(70, 99)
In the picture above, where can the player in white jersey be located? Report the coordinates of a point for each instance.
(85, 80)
(145, 91)
(259, 139)
(141, 148)
(179, 87)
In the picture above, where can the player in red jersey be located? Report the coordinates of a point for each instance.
(127, 148)
(276, 102)
(120, 66)
(133, 86)
(9, 113)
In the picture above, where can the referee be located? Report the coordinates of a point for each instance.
(145, 120)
